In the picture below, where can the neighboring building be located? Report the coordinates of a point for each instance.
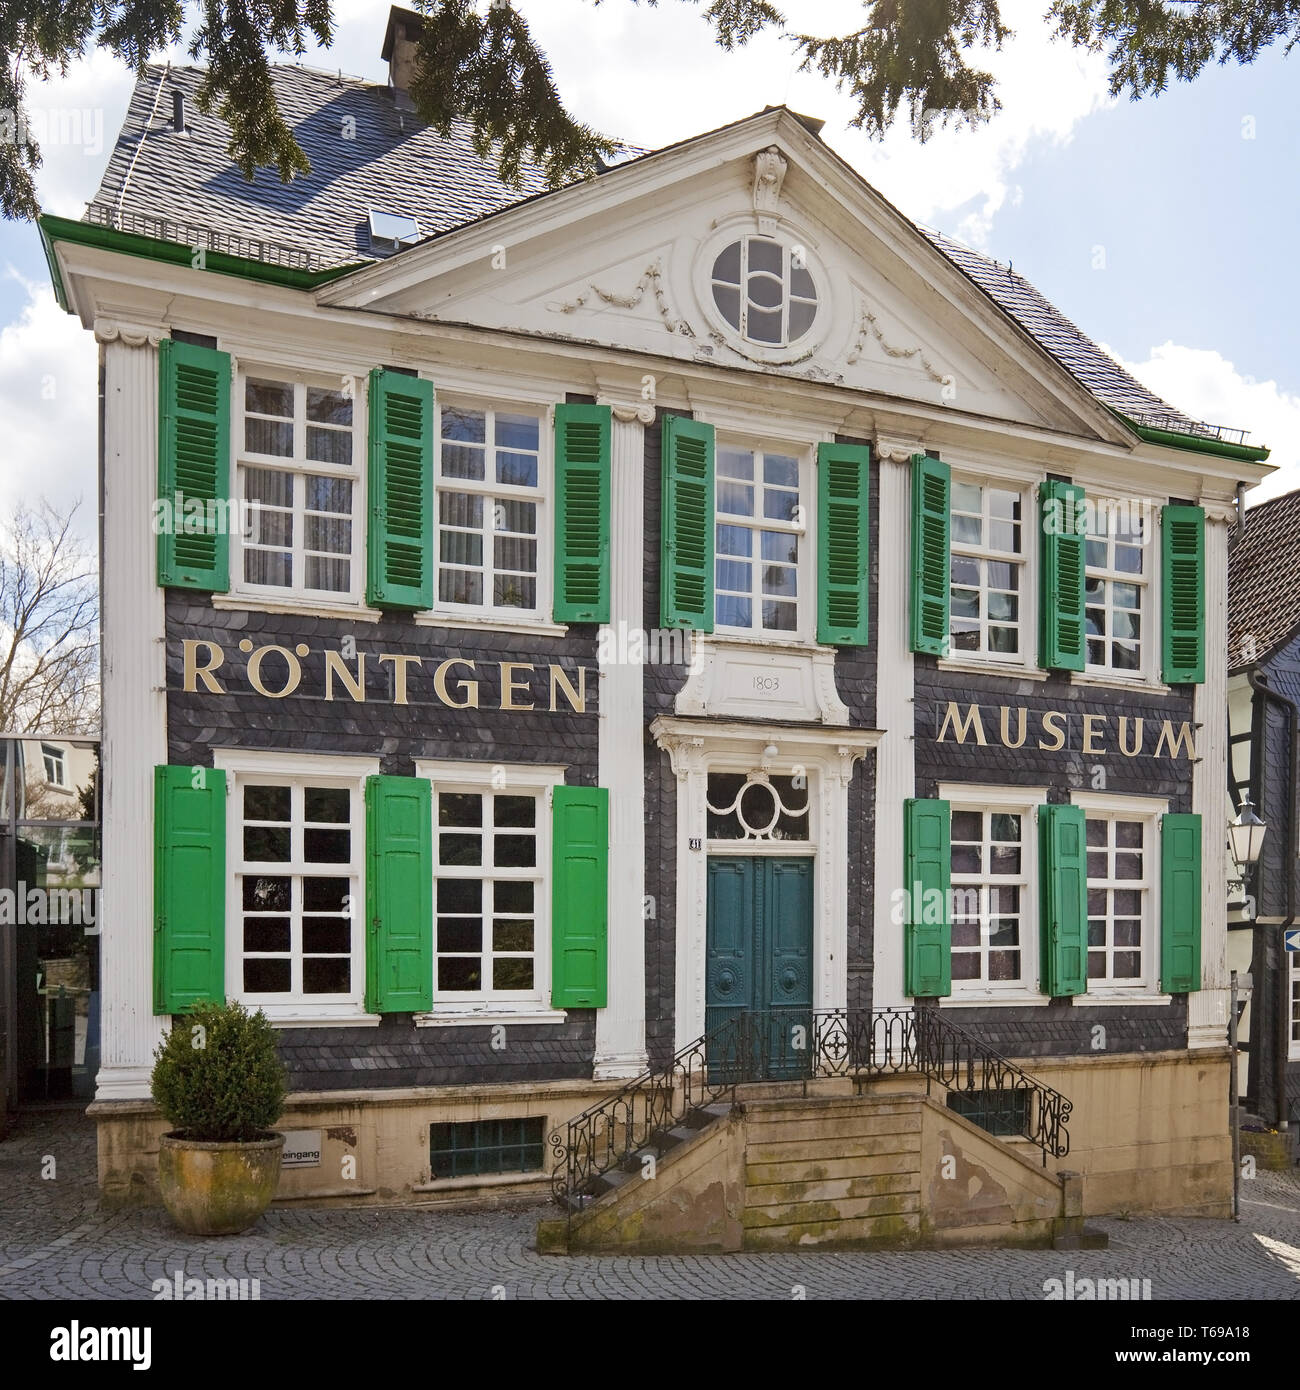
(1264, 710)
(622, 584)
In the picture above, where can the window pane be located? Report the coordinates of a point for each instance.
(780, 617)
(512, 896)
(460, 895)
(765, 291)
(462, 461)
(266, 844)
(727, 265)
(263, 894)
(735, 498)
(736, 463)
(458, 851)
(329, 495)
(508, 935)
(735, 540)
(326, 935)
(517, 470)
(728, 302)
(268, 397)
(268, 437)
(460, 808)
(514, 810)
(328, 407)
(733, 611)
(459, 973)
(764, 327)
(332, 576)
(266, 803)
(271, 486)
(331, 805)
(327, 846)
(461, 509)
(460, 933)
(326, 974)
(263, 976)
(266, 934)
(777, 545)
(512, 973)
(329, 446)
(515, 851)
(765, 254)
(801, 318)
(779, 504)
(467, 426)
(320, 894)
(513, 591)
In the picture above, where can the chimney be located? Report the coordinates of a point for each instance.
(178, 111)
(401, 40)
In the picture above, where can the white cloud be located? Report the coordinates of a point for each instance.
(48, 369)
(75, 120)
(1205, 385)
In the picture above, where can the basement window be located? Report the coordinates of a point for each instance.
(482, 1147)
(391, 231)
(1004, 1113)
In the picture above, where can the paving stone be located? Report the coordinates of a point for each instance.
(55, 1243)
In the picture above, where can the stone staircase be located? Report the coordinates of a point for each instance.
(864, 1151)
(831, 1163)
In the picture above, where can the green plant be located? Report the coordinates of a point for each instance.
(217, 1077)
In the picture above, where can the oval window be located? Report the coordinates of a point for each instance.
(764, 291)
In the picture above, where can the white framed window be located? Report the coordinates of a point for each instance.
(764, 290)
(1293, 963)
(994, 879)
(300, 444)
(989, 587)
(492, 887)
(55, 762)
(1117, 590)
(492, 471)
(295, 860)
(1122, 837)
(761, 542)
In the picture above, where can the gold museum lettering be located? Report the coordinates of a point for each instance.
(458, 682)
(1056, 730)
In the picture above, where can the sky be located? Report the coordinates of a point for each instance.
(1161, 227)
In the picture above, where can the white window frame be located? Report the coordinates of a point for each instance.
(296, 595)
(50, 753)
(1027, 562)
(247, 765)
(805, 570)
(543, 497)
(1148, 810)
(745, 304)
(1148, 611)
(1024, 802)
(1293, 1031)
(537, 779)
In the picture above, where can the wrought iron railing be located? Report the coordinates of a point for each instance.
(795, 1045)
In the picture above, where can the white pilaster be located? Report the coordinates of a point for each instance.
(134, 707)
(620, 1026)
(1207, 1008)
(895, 715)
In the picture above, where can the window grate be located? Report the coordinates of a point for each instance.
(480, 1147)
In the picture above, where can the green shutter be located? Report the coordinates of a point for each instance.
(686, 571)
(400, 541)
(1180, 904)
(193, 466)
(927, 880)
(189, 888)
(1061, 637)
(843, 541)
(579, 896)
(1063, 899)
(399, 895)
(582, 493)
(931, 494)
(1182, 552)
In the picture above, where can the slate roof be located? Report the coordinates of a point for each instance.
(366, 153)
(1264, 580)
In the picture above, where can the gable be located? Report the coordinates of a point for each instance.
(629, 261)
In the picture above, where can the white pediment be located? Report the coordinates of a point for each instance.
(627, 261)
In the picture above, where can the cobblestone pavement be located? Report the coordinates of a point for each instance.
(54, 1243)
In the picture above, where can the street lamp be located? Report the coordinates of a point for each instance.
(1246, 836)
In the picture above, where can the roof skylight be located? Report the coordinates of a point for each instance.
(393, 230)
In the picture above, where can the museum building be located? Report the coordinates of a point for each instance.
(541, 627)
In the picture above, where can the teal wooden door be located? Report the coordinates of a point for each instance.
(758, 987)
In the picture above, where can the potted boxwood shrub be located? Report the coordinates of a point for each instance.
(220, 1084)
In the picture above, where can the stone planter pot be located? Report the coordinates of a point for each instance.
(212, 1189)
